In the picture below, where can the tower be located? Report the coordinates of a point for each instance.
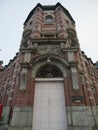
(56, 84)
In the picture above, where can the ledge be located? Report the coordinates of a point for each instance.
(70, 49)
(28, 50)
(53, 40)
(73, 64)
(25, 65)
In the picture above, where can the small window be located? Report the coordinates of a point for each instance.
(49, 19)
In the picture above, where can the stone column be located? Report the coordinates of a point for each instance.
(27, 57)
(23, 79)
(74, 78)
(71, 56)
(73, 64)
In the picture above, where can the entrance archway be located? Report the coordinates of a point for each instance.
(49, 106)
(49, 102)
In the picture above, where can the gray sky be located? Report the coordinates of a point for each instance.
(14, 12)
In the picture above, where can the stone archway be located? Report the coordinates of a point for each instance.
(47, 60)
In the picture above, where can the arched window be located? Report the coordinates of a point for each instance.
(49, 71)
(49, 19)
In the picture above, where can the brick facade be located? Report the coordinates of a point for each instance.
(49, 36)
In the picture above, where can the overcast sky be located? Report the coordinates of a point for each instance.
(14, 12)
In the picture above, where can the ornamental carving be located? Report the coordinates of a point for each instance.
(26, 38)
(26, 35)
(71, 33)
(72, 39)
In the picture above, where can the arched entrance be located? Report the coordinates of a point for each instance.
(49, 111)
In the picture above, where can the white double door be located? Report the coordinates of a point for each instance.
(49, 111)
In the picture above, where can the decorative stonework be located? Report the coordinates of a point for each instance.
(49, 71)
(71, 56)
(74, 78)
(23, 79)
(71, 32)
(50, 49)
(26, 38)
(53, 60)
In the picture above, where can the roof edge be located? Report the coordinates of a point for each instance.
(46, 7)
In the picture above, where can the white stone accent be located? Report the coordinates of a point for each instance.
(90, 97)
(62, 45)
(27, 57)
(74, 78)
(22, 117)
(82, 116)
(71, 56)
(23, 79)
(10, 98)
(5, 114)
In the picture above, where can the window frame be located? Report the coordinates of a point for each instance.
(49, 19)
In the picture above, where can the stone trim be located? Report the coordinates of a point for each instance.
(27, 57)
(74, 78)
(71, 56)
(23, 79)
(82, 117)
(22, 117)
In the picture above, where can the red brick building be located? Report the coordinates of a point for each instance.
(50, 84)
